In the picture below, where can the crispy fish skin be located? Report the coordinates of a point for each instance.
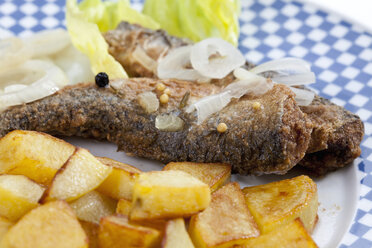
(336, 137)
(124, 41)
(127, 41)
(337, 133)
(268, 140)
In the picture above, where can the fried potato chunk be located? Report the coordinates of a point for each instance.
(226, 222)
(5, 224)
(81, 174)
(116, 232)
(123, 207)
(278, 203)
(91, 230)
(93, 206)
(119, 184)
(51, 225)
(18, 195)
(168, 194)
(36, 155)
(176, 235)
(213, 174)
(291, 235)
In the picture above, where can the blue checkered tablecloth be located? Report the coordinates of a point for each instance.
(340, 54)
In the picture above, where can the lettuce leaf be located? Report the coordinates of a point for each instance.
(197, 19)
(108, 14)
(87, 38)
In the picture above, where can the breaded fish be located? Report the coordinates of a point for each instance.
(271, 139)
(336, 135)
(335, 139)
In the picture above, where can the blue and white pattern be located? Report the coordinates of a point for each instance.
(340, 54)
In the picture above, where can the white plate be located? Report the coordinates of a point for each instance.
(338, 191)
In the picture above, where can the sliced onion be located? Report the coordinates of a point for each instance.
(175, 64)
(48, 42)
(209, 105)
(251, 83)
(32, 71)
(14, 88)
(303, 97)
(75, 64)
(39, 79)
(13, 52)
(20, 75)
(215, 58)
(284, 64)
(52, 72)
(145, 60)
(38, 90)
(297, 79)
(288, 71)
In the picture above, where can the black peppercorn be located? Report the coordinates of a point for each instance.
(102, 79)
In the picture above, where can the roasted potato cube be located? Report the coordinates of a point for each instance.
(279, 203)
(91, 230)
(123, 207)
(93, 206)
(5, 224)
(176, 235)
(168, 194)
(81, 174)
(226, 222)
(115, 231)
(155, 224)
(38, 156)
(51, 225)
(119, 184)
(291, 235)
(18, 195)
(213, 174)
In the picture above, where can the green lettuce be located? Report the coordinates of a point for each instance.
(197, 19)
(108, 14)
(86, 37)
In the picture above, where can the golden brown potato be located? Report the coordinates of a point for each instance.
(168, 194)
(214, 174)
(279, 203)
(18, 195)
(123, 207)
(91, 230)
(116, 232)
(5, 224)
(119, 184)
(155, 224)
(226, 222)
(36, 155)
(81, 174)
(291, 235)
(51, 225)
(176, 235)
(93, 206)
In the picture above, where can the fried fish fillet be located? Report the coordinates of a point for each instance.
(337, 133)
(335, 139)
(271, 139)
